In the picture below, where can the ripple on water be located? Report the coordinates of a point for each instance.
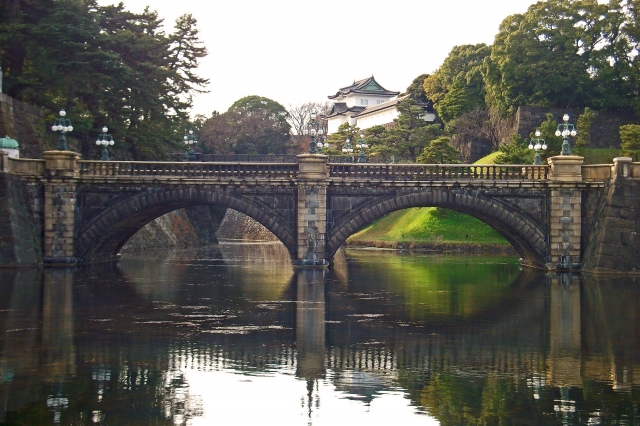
(243, 329)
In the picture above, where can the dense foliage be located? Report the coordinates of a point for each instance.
(104, 66)
(252, 125)
(457, 86)
(558, 54)
(563, 53)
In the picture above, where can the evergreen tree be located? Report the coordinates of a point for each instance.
(583, 139)
(515, 152)
(564, 54)
(338, 139)
(630, 135)
(440, 152)
(457, 86)
(104, 66)
(410, 133)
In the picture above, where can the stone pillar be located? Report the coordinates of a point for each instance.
(60, 206)
(622, 167)
(313, 174)
(565, 228)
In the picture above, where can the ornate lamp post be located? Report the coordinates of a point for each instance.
(565, 130)
(105, 140)
(539, 144)
(320, 145)
(62, 125)
(313, 133)
(362, 145)
(347, 149)
(189, 139)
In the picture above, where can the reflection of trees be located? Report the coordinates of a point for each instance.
(124, 356)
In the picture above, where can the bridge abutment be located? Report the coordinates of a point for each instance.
(60, 196)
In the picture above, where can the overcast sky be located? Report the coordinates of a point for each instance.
(294, 51)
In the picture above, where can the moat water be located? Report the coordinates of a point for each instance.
(233, 335)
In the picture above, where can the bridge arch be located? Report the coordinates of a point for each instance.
(525, 235)
(104, 235)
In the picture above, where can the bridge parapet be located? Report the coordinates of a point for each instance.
(430, 172)
(22, 166)
(194, 170)
(596, 172)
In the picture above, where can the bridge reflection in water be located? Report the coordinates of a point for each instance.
(105, 343)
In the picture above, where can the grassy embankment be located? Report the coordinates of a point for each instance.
(441, 229)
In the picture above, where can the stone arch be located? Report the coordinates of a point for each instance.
(104, 235)
(526, 236)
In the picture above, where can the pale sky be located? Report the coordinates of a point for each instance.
(294, 51)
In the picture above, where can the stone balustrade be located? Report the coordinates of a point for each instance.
(427, 172)
(194, 170)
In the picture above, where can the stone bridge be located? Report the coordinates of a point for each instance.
(85, 211)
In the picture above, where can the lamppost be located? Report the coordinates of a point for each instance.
(320, 145)
(313, 132)
(62, 125)
(347, 149)
(362, 145)
(565, 130)
(189, 139)
(539, 144)
(105, 140)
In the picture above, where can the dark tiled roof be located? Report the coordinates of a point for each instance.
(340, 108)
(368, 86)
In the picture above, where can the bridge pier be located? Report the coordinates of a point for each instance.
(565, 227)
(313, 179)
(60, 199)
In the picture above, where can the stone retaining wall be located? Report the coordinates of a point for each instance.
(26, 124)
(190, 227)
(238, 226)
(20, 240)
(614, 242)
(605, 130)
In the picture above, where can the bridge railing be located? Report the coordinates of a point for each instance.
(193, 170)
(427, 172)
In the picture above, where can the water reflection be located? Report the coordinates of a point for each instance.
(232, 331)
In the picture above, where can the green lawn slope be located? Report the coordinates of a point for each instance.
(428, 225)
(437, 226)
(431, 226)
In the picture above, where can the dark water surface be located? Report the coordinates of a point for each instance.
(233, 335)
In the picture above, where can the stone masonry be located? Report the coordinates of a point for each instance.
(613, 244)
(312, 210)
(566, 212)
(60, 192)
(91, 208)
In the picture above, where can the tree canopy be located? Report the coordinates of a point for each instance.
(457, 86)
(252, 125)
(104, 66)
(563, 53)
